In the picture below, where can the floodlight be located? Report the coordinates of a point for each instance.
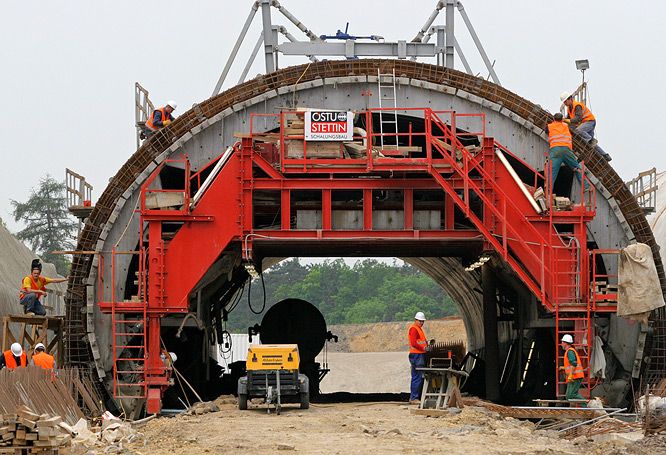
(582, 65)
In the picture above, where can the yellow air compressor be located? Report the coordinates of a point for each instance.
(272, 374)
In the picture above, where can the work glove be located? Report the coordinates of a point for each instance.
(166, 122)
(570, 378)
(567, 120)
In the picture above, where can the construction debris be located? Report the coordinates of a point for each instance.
(652, 409)
(28, 432)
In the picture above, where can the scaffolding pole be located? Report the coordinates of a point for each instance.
(234, 51)
(478, 44)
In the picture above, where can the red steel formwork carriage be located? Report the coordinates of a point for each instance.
(547, 249)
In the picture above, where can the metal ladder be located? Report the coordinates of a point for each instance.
(388, 119)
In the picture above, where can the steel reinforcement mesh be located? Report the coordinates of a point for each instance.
(76, 348)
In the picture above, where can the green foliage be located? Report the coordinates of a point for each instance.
(368, 291)
(48, 226)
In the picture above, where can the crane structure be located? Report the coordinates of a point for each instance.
(188, 227)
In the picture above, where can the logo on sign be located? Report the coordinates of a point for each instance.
(329, 126)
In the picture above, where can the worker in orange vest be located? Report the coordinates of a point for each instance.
(573, 368)
(417, 350)
(582, 119)
(41, 359)
(33, 288)
(13, 358)
(560, 143)
(160, 118)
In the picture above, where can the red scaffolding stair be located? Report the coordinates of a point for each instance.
(548, 251)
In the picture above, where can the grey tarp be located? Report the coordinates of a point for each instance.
(638, 283)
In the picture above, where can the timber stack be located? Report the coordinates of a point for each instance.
(26, 432)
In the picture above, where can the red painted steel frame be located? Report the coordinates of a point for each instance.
(552, 264)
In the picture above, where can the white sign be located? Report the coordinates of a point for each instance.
(329, 126)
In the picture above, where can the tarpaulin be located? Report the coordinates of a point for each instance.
(638, 283)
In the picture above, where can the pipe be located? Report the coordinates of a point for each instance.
(478, 44)
(519, 182)
(293, 39)
(234, 51)
(250, 61)
(361, 132)
(295, 21)
(428, 22)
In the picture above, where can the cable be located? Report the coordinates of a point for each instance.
(249, 300)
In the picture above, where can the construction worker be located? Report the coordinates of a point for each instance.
(13, 358)
(41, 359)
(160, 118)
(417, 349)
(573, 369)
(582, 120)
(33, 288)
(560, 143)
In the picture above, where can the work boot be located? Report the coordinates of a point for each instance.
(593, 142)
(30, 313)
(607, 157)
(414, 401)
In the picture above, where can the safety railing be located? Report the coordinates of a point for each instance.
(108, 297)
(586, 196)
(363, 150)
(176, 201)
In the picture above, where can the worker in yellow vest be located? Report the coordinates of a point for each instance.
(582, 120)
(572, 368)
(33, 287)
(13, 358)
(417, 350)
(160, 118)
(560, 143)
(41, 359)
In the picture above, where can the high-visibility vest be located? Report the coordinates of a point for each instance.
(151, 119)
(587, 114)
(559, 135)
(10, 361)
(43, 360)
(41, 286)
(573, 372)
(420, 340)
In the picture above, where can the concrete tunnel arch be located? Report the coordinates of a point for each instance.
(205, 129)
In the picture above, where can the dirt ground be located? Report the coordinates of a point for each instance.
(358, 428)
(392, 336)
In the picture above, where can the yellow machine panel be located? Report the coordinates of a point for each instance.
(272, 357)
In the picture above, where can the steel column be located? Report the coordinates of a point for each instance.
(269, 45)
(491, 336)
(450, 35)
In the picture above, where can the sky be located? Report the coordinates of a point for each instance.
(69, 68)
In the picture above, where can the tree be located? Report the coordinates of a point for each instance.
(48, 226)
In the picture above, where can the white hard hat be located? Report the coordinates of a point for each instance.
(173, 104)
(567, 339)
(40, 345)
(563, 96)
(173, 356)
(17, 350)
(419, 316)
